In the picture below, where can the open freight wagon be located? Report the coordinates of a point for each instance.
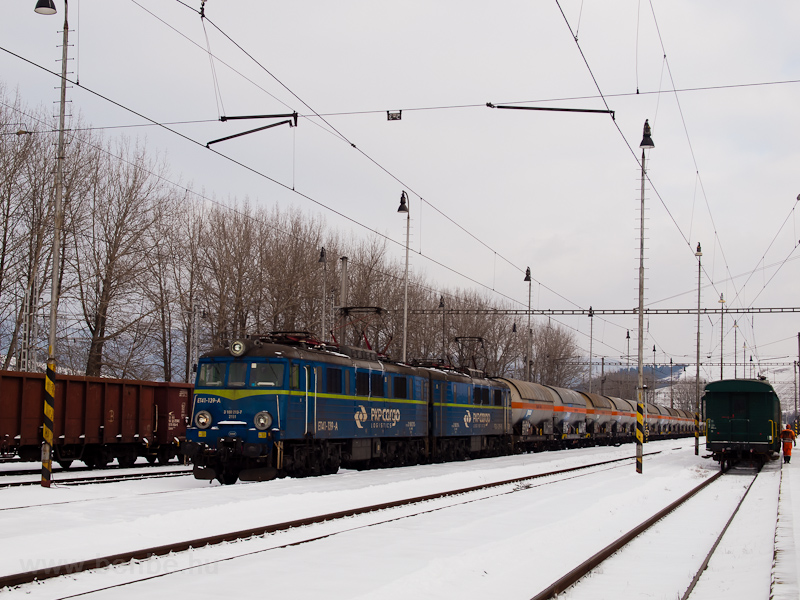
(96, 420)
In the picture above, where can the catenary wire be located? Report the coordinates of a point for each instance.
(369, 158)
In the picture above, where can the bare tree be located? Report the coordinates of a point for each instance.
(121, 206)
(553, 356)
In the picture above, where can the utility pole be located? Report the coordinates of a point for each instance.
(602, 375)
(653, 397)
(794, 372)
(647, 142)
(323, 258)
(591, 338)
(671, 387)
(47, 8)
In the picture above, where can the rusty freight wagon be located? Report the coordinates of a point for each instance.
(96, 421)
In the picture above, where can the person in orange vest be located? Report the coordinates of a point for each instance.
(789, 439)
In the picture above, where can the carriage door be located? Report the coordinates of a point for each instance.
(312, 378)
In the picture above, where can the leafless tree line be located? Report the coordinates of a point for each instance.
(151, 273)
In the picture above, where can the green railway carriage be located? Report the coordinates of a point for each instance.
(743, 420)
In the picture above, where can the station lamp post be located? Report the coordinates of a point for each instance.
(530, 331)
(721, 332)
(699, 256)
(323, 258)
(47, 7)
(628, 366)
(647, 142)
(404, 208)
(444, 331)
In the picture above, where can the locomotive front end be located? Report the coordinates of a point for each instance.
(235, 423)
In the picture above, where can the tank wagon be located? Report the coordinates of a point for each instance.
(286, 404)
(96, 420)
(743, 421)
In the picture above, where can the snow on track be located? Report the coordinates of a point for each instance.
(511, 546)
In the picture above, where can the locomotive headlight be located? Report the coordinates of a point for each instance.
(239, 347)
(202, 419)
(263, 420)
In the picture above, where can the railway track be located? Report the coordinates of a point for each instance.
(586, 580)
(59, 470)
(515, 485)
(104, 478)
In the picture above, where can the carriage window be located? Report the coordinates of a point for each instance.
(476, 396)
(334, 383)
(266, 375)
(236, 374)
(400, 387)
(376, 387)
(498, 398)
(362, 383)
(211, 374)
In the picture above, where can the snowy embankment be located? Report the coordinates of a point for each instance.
(508, 546)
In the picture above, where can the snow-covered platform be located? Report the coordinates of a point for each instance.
(787, 536)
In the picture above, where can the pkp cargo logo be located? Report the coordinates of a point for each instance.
(478, 419)
(360, 417)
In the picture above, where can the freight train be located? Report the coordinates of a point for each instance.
(743, 421)
(96, 420)
(286, 404)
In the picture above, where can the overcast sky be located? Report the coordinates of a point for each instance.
(502, 189)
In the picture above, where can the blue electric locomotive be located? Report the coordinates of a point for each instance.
(284, 404)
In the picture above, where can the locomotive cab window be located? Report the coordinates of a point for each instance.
(237, 372)
(266, 375)
(211, 375)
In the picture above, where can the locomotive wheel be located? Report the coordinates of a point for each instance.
(65, 464)
(151, 459)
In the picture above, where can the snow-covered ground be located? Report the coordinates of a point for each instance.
(508, 543)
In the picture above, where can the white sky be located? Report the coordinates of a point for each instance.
(558, 192)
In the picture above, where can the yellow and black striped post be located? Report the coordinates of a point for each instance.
(639, 435)
(47, 429)
(696, 432)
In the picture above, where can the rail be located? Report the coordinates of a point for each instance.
(144, 553)
(584, 568)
